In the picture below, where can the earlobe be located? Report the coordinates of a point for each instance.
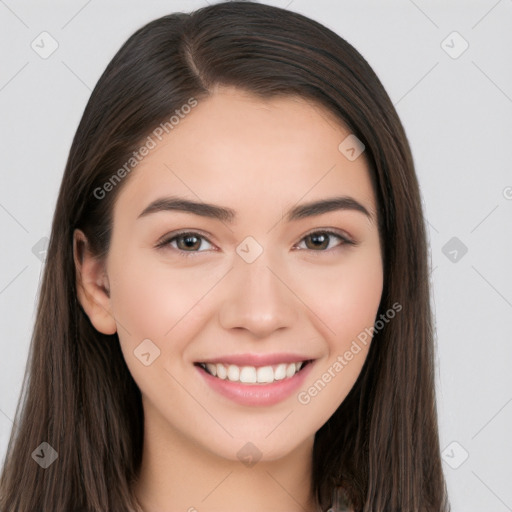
(92, 285)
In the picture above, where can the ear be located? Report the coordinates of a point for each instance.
(93, 289)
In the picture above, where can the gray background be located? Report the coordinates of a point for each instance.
(457, 111)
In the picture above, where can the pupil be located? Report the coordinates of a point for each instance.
(189, 241)
(316, 237)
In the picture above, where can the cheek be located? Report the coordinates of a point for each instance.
(151, 301)
(345, 296)
(358, 301)
(358, 297)
(346, 299)
(162, 302)
(140, 300)
(148, 297)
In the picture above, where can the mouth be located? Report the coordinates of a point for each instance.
(254, 374)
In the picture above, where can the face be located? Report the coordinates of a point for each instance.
(265, 285)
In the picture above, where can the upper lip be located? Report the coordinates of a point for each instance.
(257, 359)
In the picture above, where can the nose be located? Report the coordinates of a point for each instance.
(259, 298)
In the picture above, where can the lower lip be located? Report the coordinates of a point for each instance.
(256, 394)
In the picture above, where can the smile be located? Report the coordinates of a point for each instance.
(255, 385)
(253, 374)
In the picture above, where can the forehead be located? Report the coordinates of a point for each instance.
(240, 150)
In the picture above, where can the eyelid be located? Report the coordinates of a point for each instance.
(331, 231)
(169, 237)
(344, 238)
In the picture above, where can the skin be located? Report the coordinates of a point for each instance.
(259, 158)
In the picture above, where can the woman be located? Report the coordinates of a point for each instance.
(281, 358)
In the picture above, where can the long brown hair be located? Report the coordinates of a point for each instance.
(381, 446)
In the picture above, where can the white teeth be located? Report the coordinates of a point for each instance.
(290, 370)
(212, 368)
(222, 373)
(251, 374)
(248, 375)
(233, 372)
(280, 372)
(265, 374)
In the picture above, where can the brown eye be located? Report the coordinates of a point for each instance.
(190, 242)
(187, 242)
(319, 241)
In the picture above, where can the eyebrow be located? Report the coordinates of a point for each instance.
(228, 215)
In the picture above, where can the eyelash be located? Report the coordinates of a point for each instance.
(186, 254)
